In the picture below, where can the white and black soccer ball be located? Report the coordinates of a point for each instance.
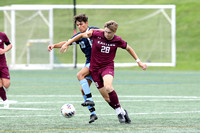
(68, 110)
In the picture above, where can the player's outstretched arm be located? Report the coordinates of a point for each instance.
(56, 45)
(134, 55)
(2, 51)
(76, 38)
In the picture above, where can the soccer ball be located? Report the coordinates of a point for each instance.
(68, 110)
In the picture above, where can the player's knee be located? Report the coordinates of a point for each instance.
(7, 84)
(107, 99)
(108, 88)
(79, 76)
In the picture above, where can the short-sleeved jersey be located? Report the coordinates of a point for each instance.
(104, 51)
(3, 39)
(85, 45)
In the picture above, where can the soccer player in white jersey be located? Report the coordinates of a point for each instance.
(83, 76)
(104, 47)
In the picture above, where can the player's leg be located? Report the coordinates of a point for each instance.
(106, 89)
(85, 82)
(114, 101)
(85, 86)
(2, 91)
(105, 95)
(100, 84)
(4, 83)
(93, 115)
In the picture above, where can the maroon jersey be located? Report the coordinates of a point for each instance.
(3, 39)
(103, 50)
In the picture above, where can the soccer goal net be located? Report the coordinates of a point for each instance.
(148, 29)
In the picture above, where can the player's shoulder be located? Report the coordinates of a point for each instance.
(76, 34)
(92, 28)
(2, 33)
(118, 38)
(98, 32)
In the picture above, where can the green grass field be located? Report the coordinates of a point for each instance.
(157, 101)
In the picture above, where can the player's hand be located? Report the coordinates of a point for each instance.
(2, 51)
(64, 48)
(50, 47)
(142, 65)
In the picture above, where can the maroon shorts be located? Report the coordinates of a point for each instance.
(4, 72)
(98, 75)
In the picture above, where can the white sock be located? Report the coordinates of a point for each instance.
(120, 110)
(123, 112)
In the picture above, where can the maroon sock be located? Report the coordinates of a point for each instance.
(114, 102)
(3, 94)
(111, 105)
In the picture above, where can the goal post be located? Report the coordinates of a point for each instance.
(149, 29)
(23, 24)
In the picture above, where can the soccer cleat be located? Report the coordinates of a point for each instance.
(121, 118)
(127, 119)
(93, 117)
(88, 103)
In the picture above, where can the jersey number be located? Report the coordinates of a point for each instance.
(105, 49)
(82, 44)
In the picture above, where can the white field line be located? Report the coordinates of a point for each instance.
(132, 114)
(136, 99)
(125, 96)
(150, 99)
(2, 108)
(102, 101)
(9, 101)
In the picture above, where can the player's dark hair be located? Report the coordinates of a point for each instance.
(80, 18)
(112, 25)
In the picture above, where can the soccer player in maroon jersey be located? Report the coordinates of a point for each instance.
(4, 71)
(104, 47)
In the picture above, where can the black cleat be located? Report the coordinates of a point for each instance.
(93, 117)
(127, 119)
(121, 118)
(88, 103)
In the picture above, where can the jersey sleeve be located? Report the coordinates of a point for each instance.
(77, 42)
(93, 28)
(95, 33)
(6, 40)
(123, 44)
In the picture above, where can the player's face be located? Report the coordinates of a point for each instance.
(82, 26)
(108, 34)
